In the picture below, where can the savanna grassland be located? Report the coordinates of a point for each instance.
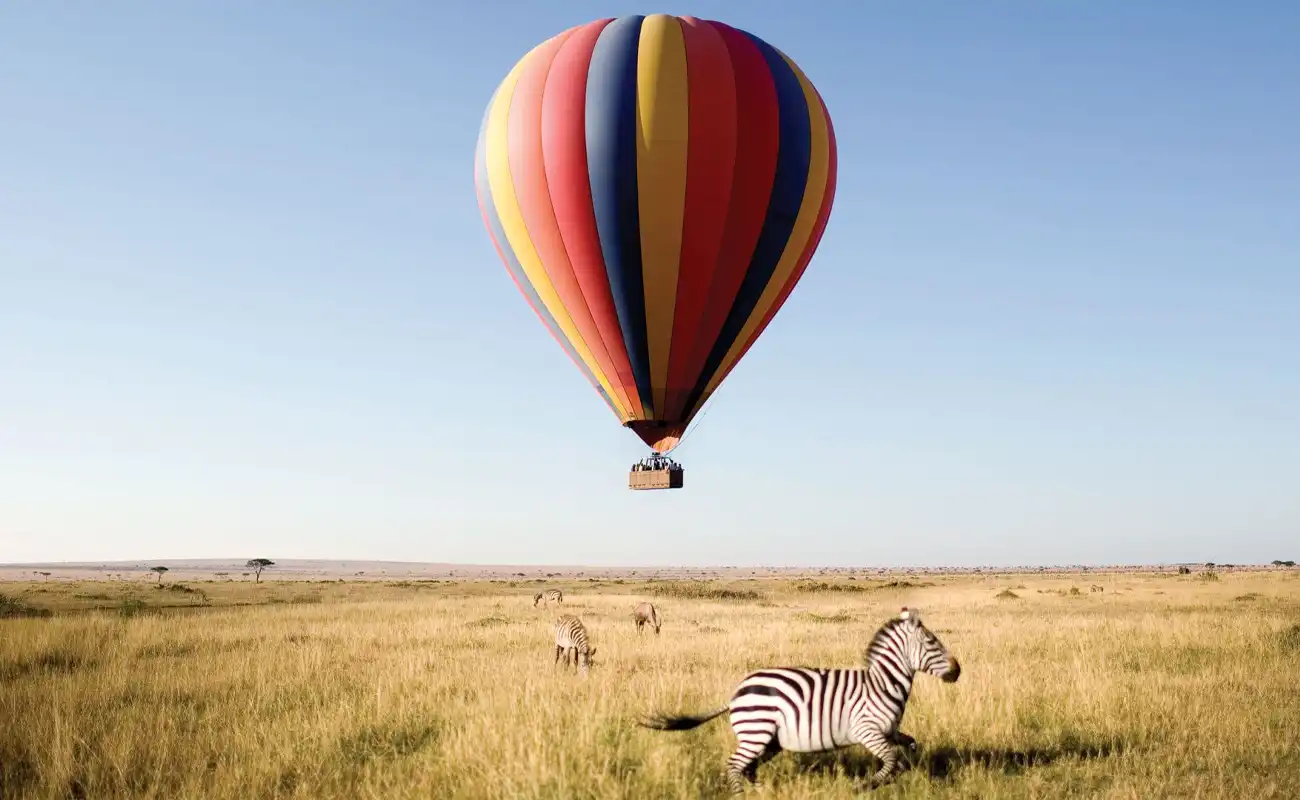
(1135, 685)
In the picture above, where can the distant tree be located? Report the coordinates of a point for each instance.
(1280, 563)
(160, 571)
(257, 565)
(1184, 571)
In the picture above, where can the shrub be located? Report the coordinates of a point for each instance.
(14, 608)
(699, 590)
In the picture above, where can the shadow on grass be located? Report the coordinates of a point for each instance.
(942, 762)
(50, 662)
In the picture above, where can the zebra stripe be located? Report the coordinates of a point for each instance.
(646, 612)
(547, 596)
(806, 709)
(571, 636)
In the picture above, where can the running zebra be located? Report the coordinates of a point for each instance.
(646, 612)
(547, 596)
(806, 710)
(571, 636)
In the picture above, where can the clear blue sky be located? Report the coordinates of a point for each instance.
(248, 306)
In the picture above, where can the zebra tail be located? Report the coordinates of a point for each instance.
(681, 723)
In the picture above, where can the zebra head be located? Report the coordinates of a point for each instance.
(585, 660)
(917, 645)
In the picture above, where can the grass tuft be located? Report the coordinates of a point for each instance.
(837, 618)
(377, 742)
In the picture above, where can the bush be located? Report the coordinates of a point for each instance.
(699, 590)
(131, 607)
(823, 586)
(14, 608)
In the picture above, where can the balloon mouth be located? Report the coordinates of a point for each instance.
(661, 436)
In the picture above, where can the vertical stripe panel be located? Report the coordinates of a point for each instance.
(662, 124)
(711, 160)
(564, 151)
(793, 155)
(611, 161)
(498, 236)
(507, 209)
(816, 177)
(823, 216)
(528, 175)
(757, 145)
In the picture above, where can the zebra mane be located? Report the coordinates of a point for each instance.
(880, 634)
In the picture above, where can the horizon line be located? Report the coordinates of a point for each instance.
(543, 566)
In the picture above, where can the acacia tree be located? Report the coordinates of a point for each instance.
(160, 570)
(257, 565)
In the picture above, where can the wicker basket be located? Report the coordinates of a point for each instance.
(669, 478)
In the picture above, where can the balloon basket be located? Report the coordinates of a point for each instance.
(656, 472)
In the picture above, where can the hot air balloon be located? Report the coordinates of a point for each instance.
(656, 186)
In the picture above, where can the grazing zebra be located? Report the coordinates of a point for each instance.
(571, 635)
(646, 612)
(547, 596)
(806, 710)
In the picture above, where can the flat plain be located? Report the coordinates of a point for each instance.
(1132, 684)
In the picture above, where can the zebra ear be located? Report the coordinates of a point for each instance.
(912, 615)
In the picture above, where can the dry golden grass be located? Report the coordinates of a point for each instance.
(1158, 686)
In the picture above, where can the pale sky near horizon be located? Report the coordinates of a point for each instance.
(248, 305)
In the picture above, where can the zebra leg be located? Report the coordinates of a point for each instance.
(880, 746)
(558, 650)
(753, 747)
(769, 752)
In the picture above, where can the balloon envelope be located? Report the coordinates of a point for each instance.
(656, 187)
